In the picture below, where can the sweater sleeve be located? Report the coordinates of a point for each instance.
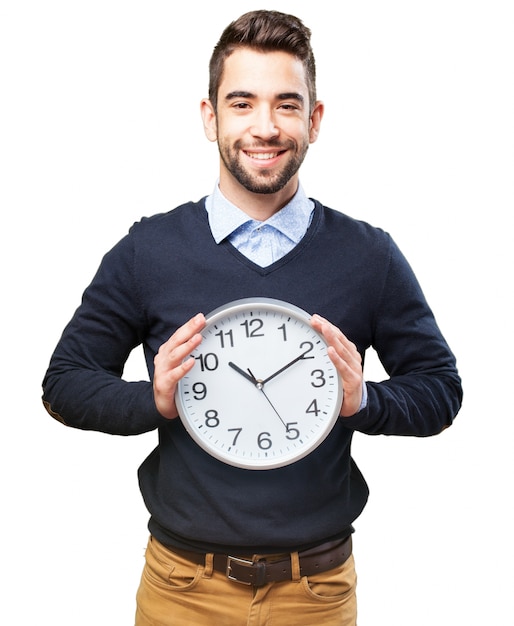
(83, 387)
(423, 393)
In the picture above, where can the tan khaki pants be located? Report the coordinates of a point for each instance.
(176, 592)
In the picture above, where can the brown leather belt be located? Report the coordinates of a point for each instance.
(262, 570)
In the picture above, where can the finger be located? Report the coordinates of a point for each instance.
(337, 339)
(172, 355)
(171, 362)
(185, 333)
(348, 361)
(349, 368)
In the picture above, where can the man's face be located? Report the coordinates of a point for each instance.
(263, 125)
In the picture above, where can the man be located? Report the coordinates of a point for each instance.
(256, 235)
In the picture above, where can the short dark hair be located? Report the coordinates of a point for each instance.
(266, 31)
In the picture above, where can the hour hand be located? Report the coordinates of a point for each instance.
(242, 372)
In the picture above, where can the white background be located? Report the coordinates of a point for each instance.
(100, 125)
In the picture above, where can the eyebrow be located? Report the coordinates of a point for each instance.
(293, 95)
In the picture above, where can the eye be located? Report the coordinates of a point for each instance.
(290, 108)
(240, 106)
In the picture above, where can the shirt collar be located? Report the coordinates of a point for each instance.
(292, 220)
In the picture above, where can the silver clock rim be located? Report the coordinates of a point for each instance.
(269, 303)
(230, 308)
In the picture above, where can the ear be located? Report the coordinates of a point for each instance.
(209, 119)
(315, 121)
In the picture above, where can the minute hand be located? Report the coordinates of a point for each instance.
(298, 358)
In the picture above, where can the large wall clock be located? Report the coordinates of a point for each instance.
(263, 392)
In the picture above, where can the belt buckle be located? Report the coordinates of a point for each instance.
(243, 562)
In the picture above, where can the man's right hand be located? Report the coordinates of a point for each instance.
(170, 365)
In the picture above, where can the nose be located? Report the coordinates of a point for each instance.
(263, 124)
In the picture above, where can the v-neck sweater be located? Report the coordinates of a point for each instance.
(167, 269)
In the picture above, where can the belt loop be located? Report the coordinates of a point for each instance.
(209, 564)
(295, 566)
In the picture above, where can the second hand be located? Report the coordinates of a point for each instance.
(260, 386)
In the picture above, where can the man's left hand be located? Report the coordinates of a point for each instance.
(348, 361)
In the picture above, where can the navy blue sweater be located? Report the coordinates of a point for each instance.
(167, 269)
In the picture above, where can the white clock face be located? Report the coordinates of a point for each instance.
(263, 392)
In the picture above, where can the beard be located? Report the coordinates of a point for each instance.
(266, 181)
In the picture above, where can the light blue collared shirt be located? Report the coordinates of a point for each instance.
(262, 242)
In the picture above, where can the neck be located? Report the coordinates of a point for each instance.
(258, 206)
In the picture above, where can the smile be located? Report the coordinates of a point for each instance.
(263, 156)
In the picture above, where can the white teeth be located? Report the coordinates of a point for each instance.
(262, 155)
